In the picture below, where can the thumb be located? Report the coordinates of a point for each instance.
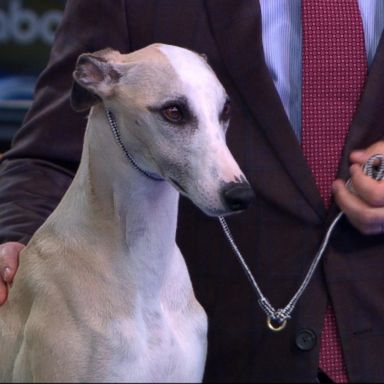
(360, 156)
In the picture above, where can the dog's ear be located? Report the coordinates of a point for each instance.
(81, 99)
(94, 79)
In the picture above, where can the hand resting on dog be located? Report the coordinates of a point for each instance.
(9, 261)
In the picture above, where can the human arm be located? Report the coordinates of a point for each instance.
(37, 170)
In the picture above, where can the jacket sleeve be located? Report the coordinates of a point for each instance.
(45, 152)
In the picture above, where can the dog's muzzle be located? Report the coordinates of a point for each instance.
(237, 196)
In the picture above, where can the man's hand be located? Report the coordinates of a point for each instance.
(365, 207)
(9, 261)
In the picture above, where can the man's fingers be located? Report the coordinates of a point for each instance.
(3, 292)
(359, 157)
(370, 190)
(367, 219)
(9, 260)
(363, 200)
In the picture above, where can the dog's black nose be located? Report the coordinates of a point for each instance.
(237, 196)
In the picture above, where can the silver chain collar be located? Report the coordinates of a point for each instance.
(116, 133)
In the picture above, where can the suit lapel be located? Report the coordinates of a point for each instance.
(236, 26)
(368, 123)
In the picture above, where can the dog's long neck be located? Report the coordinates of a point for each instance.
(135, 215)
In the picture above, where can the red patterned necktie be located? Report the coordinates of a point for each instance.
(334, 69)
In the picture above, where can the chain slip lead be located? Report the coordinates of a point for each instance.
(277, 318)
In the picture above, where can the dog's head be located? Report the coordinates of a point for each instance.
(173, 114)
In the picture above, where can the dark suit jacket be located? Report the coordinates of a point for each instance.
(278, 235)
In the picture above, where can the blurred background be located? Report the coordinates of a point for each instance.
(27, 29)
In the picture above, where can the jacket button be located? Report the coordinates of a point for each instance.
(305, 339)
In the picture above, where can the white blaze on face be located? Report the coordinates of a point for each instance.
(199, 81)
(206, 98)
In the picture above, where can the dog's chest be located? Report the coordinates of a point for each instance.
(160, 347)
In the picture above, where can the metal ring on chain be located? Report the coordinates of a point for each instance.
(276, 328)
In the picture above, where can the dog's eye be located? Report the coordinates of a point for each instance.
(225, 113)
(173, 114)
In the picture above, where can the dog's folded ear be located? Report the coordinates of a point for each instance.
(94, 79)
(81, 99)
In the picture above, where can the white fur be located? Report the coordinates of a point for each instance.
(103, 293)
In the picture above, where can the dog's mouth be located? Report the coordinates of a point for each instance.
(208, 209)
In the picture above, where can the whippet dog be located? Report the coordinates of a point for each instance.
(103, 292)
